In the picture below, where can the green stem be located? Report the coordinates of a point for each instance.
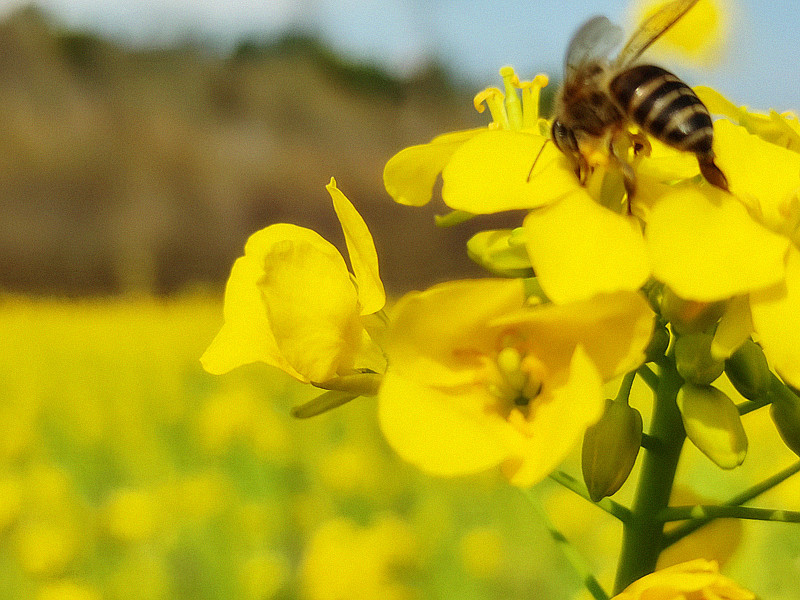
(698, 511)
(625, 387)
(576, 561)
(615, 509)
(648, 376)
(752, 492)
(642, 534)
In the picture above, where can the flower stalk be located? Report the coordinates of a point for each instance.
(643, 533)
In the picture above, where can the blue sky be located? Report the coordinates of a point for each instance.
(474, 38)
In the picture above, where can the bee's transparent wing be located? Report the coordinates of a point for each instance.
(653, 28)
(594, 39)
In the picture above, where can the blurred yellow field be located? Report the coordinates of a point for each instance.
(126, 472)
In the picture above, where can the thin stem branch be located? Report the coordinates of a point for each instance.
(576, 561)
(749, 494)
(698, 511)
(615, 509)
(625, 387)
(648, 376)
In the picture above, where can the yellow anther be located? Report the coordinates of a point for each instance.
(493, 98)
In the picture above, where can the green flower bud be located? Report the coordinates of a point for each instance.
(786, 416)
(659, 342)
(748, 371)
(713, 424)
(500, 252)
(610, 447)
(689, 316)
(694, 361)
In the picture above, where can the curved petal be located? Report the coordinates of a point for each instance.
(409, 176)
(427, 326)
(310, 301)
(489, 173)
(734, 328)
(706, 247)
(559, 421)
(579, 249)
(776, 318)
(613, 330)
(361, 247)
(441, 433)
(246, 335)
(745, 159)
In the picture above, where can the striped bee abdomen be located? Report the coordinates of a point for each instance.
(665, 107)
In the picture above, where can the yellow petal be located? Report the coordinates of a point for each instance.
(613, 330)
(575, 402)
(776, 318)
(311, 303)
(436, 431)
(489, 173)
(427, 326)
(410, 175)
(579, 249)
(246, 336)
(706, 247)
(734, 328)
(361, 247)
(761, 174)
(782, 130)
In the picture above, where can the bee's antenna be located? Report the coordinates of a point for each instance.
(535, 160)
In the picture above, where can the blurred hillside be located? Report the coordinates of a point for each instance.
(129, 170)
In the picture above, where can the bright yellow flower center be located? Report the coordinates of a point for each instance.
(508, 110)
(515, 378)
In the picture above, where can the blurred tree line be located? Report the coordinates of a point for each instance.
(146, 169)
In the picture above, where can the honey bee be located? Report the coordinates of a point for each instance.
(600, 98)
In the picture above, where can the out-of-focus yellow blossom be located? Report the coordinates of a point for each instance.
(291, 302)
(67, 590)
(479, 379)
(694, 580)
(131, 515)
(482, 552)
(263, 575)
(47, 547)
(707, 17)
(488, 170)
(344, 560)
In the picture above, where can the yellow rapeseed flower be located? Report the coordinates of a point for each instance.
(479, 379)
(488, 170)
(694, 580)
(291, 302)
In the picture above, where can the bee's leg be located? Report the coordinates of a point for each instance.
(711, 171)
(582, 170)
(628, 176)
(641, 145)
